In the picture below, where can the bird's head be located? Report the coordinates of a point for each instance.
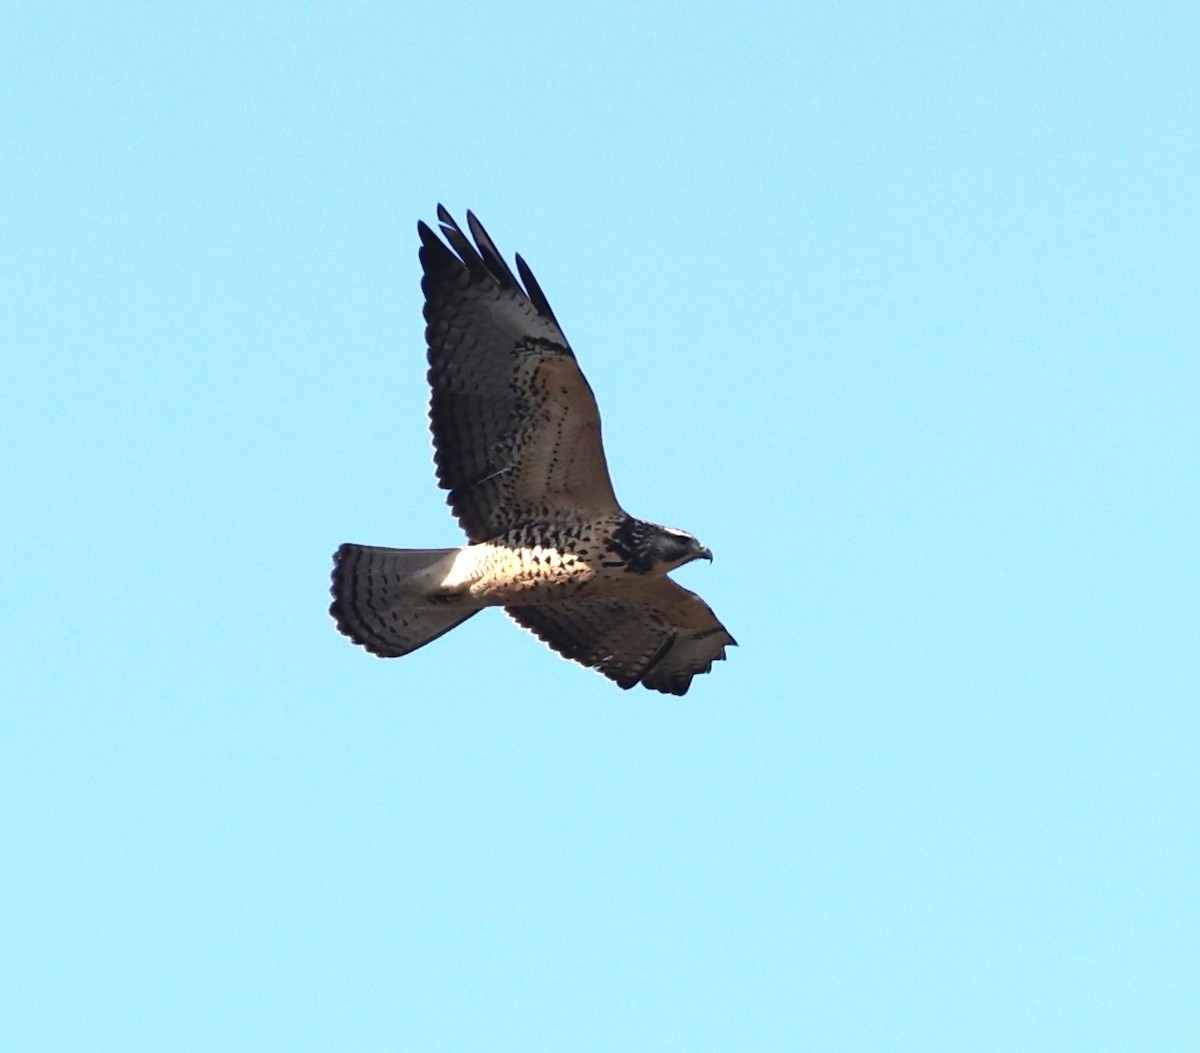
(672, 548)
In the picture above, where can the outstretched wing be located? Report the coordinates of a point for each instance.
(659, 634)
(515, 426)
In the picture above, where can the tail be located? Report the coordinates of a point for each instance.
(372, 607)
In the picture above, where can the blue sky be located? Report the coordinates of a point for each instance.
(894, 306)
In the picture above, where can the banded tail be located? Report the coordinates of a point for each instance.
(373, 607)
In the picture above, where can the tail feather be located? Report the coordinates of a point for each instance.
(372, 607)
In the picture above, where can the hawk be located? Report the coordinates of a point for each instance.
(516, 434)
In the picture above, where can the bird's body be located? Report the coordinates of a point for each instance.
(504, 571)
(517, 444)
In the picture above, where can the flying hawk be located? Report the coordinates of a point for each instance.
(517, 444)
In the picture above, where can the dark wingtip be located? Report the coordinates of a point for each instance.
(428, 238)
(533, 290)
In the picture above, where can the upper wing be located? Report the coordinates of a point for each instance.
(515, 427)
(659, 634)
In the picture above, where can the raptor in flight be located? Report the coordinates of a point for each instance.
(517, 445)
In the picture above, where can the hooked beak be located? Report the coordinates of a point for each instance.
(705, 553)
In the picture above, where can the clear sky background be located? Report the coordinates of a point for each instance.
(894, 306)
